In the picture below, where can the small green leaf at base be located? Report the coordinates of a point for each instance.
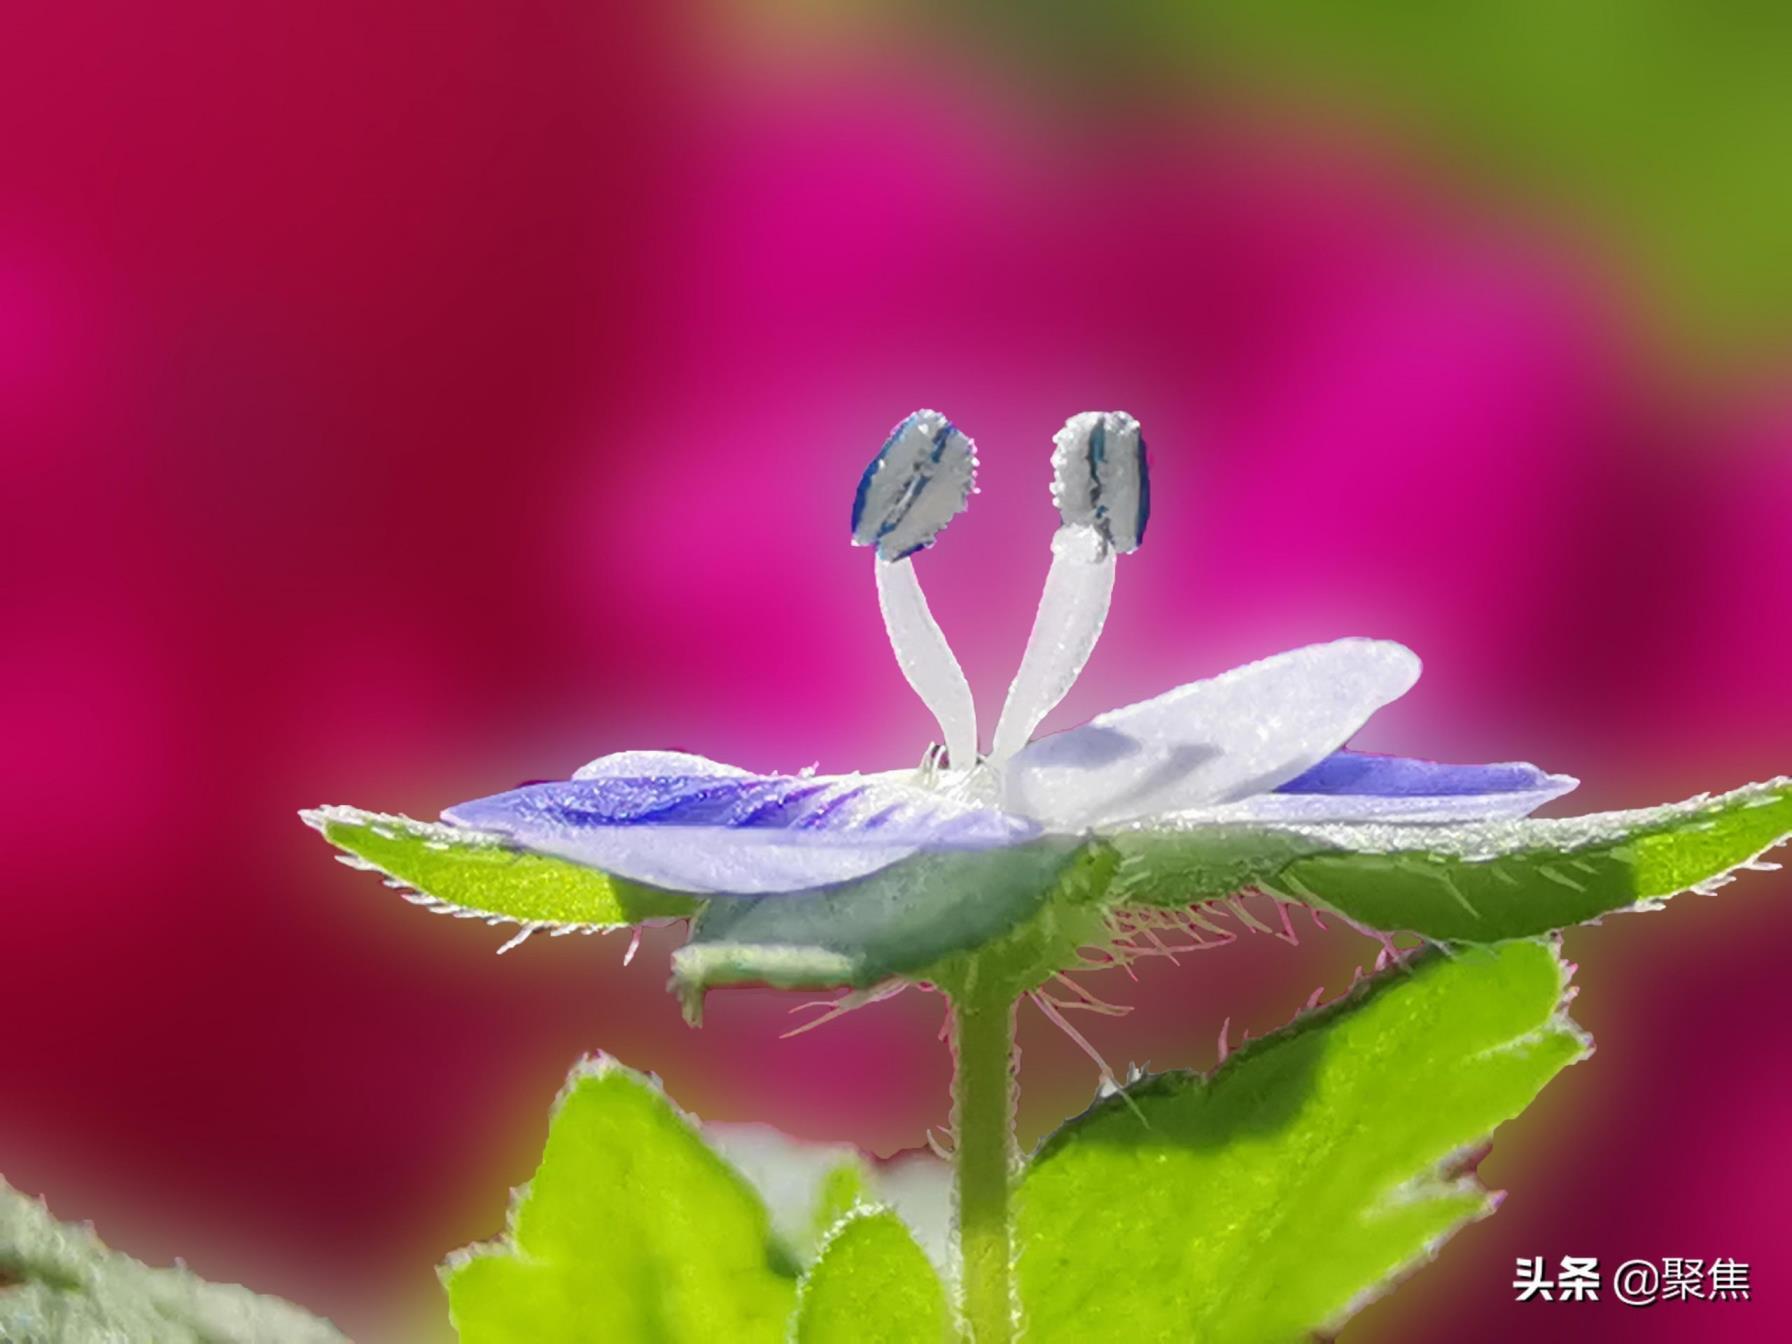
(632, 1230)
(471, 874)
(60, 1285)
(1022, 910)
(1278, 1195)
(872, 1285)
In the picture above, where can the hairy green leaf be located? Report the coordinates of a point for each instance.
(1480, 882)
(462, 871)
(1022, 910)
(631, 1230)
(872, 1285)
(1277, 1195)
(60, 1285)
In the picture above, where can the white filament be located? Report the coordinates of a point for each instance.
(926, 659)
(1072, 610)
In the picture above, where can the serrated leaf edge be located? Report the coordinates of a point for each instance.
(1427, 1182)
(441, 836)
(589, 1067)
(857, 1213)
(1636, 824)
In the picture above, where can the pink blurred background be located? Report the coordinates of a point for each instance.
(401, 402)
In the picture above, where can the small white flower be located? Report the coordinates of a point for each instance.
(1262, 744)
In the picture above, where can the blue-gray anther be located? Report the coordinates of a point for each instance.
(1099, 477)
(918, 482)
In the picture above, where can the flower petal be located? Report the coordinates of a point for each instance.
(1360, 786)
(1245, 732)
(649, 764)
(1367, 772)
(1325, 808)
(685, 824)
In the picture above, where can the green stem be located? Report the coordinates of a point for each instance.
(983, 1090)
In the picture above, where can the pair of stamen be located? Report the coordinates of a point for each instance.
(920, 480)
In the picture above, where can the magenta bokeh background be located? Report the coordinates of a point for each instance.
(400, 402)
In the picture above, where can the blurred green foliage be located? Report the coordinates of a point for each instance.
(1662, 125)
(59, 1284)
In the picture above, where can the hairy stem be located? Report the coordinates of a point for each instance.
(983, 1093)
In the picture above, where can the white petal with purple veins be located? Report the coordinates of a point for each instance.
(718, 831)
(1239, 734)
(1417, 809)
(1361, 786)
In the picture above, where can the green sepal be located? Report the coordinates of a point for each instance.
(872, 1285)
(1274, 1197)
(632, 1230)
(477, 876)
(1024, 909)
(60, 1283)
(1476, 883)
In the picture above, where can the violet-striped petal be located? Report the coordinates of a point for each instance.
(1403, 776)
(1359, 787)
(1312, 809)
(710, 832)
